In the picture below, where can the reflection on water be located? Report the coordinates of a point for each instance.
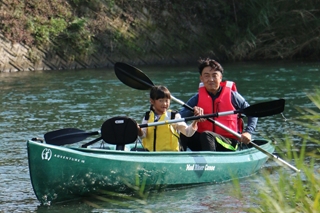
(33, 103)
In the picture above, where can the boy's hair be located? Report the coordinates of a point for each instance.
(209, 63)
(158, 92)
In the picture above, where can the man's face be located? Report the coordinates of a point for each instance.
(211, 79)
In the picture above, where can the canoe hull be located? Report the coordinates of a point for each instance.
(61, 173)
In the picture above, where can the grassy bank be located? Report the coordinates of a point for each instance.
(226, 30)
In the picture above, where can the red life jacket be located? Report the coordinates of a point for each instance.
(220, 104)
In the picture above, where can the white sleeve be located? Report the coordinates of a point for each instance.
(185, 129)
(144, 130)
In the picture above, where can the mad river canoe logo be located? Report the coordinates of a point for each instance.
(198, 167)
(46, 154)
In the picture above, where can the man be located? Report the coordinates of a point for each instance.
(216, 96)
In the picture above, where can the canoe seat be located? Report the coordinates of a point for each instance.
(119, 131)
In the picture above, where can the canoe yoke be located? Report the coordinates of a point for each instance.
(119, 131)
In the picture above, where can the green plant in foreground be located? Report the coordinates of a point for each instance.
(295, 192)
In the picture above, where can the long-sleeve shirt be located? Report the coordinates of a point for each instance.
(237, 101)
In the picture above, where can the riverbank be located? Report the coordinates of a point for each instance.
(82, 34)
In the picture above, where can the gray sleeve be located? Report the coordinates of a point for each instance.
(193, 101)
(240, 103)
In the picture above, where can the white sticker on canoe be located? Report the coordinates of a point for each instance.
(198, 167)
(46, 154)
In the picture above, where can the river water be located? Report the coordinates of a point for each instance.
(33, 103)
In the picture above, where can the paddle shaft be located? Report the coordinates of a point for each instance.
(239, 136)
(256, 146)
(178, 120)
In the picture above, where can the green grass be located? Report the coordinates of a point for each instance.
(290, 191)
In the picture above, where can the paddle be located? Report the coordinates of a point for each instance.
(135, 78)
(67, 136)
(208, 116)
(73, 135)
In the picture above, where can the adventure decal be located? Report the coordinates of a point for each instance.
(47, 154)
(198, 167)
(69, 158)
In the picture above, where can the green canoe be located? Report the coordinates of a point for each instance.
(60, 173)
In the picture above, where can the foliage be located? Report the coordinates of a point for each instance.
(43, 30)
(225, 29)
(281, 29)
(76, 40)
(299, 192)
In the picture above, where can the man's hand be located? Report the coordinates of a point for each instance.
(245, 138)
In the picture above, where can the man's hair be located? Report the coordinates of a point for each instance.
(158, 92)
(209, 63)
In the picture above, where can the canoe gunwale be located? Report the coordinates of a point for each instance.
(102, 151)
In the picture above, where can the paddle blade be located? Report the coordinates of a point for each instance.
(66, 136)
(132, 77)
(265, 109)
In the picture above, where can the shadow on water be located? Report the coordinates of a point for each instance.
(33, 103)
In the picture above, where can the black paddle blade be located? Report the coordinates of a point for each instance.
(132, 77)
(265, 109)
(66, 136)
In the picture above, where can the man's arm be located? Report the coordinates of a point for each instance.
(185, 112)
(240, 103)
